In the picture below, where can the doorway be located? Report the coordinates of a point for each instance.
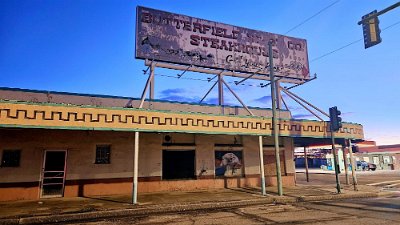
(53, 173)
(178, 164)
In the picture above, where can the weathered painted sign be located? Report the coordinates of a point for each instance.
(187, 40)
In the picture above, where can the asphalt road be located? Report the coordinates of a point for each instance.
(377, 178)
(354, 211)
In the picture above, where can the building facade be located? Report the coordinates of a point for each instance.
(61, 144)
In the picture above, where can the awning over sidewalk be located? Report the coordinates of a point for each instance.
(61, 116)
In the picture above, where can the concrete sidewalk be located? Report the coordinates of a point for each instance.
(88, 208)
(360, 172)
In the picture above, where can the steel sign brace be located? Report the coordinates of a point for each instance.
(221, 93)
(152, 86)
(315, 77)
(289, 94)
(180, 75)
(303, 100)
(208, 92)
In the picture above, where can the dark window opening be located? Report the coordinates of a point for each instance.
(103, 154)
(178, 164)
(11, 158)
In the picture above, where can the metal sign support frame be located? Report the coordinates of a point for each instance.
(277, 101)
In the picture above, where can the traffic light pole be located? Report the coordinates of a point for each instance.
(335, 161)
(378, 13)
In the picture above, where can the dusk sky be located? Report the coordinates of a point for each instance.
(87, 46)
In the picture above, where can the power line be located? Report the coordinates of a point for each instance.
(316, 14)
(203, 80)
(345, 46)
(349, 44)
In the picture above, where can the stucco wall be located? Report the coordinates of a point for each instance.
(84, 177)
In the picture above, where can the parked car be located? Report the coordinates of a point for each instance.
(363, 165)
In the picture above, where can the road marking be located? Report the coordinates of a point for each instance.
(393, 185)
(385, 182)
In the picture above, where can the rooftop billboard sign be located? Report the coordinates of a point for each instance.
(180, 39)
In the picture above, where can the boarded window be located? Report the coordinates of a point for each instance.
(103, 154)
(10, 158)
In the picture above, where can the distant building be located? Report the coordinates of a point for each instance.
(385, 157)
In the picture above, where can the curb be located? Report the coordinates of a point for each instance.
(170, 208)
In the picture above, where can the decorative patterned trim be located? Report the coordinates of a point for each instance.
(54, 116)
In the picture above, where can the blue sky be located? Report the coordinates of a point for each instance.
(87, 46)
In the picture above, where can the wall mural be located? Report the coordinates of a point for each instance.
(228, 163)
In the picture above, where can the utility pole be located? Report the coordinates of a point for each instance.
(335, 162)
(353, 167)
(306, 162)
(336, 124)
(346, 164)
(274, 120)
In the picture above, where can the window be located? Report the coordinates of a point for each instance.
(11, 158)
(386, 159)
(103, 154)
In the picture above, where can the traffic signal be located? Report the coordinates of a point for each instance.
(372, 33)
(336, 120)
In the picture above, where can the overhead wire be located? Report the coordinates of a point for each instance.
(349, 44)
(316, 14)
(203, 80)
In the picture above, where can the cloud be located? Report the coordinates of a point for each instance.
(296, 108)
(180, 98)
(186, 95)
(214, 101)
(347, 113)
(178, 95)
(264, 99)
(304, 116)
(173, 91)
